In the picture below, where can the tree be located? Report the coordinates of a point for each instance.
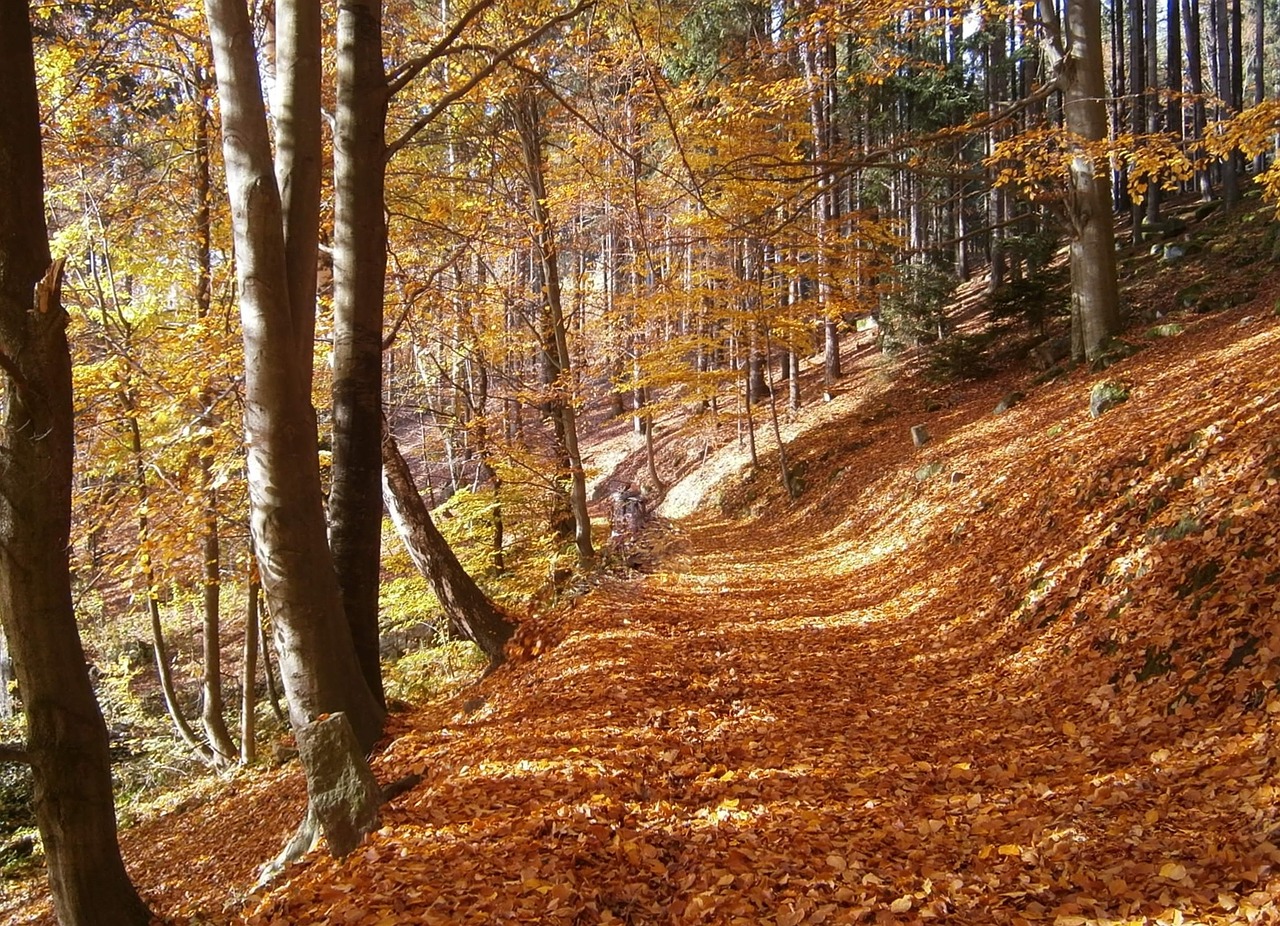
(317, 657)
(359, 269)
(1075, 57)
(66, 735)
(526, 111)
(471, 614)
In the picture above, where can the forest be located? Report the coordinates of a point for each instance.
(592, 461)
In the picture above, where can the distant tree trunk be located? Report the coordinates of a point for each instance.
(318, 663)
(1137, 94)
(1224, 87)
(472, 615)
(1150, 94)
(1173, 71)
(1075, 54)
(215, 724)
(359, 279)
(555, 338)
(66, 735)
(249, 673)
(996, 195)
(1259, 68)
(1195, 83)
(164, 668)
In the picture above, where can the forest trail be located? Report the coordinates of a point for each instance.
(1005, 688)
(1026, 674)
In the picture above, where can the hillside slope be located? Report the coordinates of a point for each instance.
(1027, 673)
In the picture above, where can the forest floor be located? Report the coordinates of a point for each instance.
(1027, 673)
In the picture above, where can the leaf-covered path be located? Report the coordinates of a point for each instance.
(1001, 689)
(1030, 673)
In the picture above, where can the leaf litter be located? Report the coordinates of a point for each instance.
(1039, 686)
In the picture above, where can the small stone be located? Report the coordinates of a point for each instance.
(919, 435)
(1009, 401)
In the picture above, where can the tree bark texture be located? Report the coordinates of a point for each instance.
(66, 735)
(318, 663)
(299, 165)
(359, 268)
(471, 614)
(1094, 289)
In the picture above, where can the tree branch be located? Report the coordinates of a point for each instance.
(498, 58)
(400, 77)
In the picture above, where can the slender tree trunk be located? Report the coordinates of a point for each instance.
(66, 735)
(249, 672)
(1137, 93)
(1173, 71)
(472, 615)
(318, 662)
(556, 349)
(1195, 83)
(359, 278)
(215, 724)
(164, 668)
(1152, 97)
(1226, 93)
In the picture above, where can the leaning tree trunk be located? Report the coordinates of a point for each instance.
(66, 735)
(471, 613)
(1076, 57)
(317, 657)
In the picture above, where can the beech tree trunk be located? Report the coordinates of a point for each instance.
(318, 663)
(66, 735)
(1076, 58)
(298, 166)
(472, 615)
(359, 279)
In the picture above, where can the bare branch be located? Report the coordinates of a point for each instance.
(400, 77)
(497, 59)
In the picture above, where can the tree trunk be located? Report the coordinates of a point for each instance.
(164, 669)
(359, 276)
(555, 347)
(1137, 94)
(299, 166)
(470, 612)
(1076, 58)
(249, 673)
(66, 735)
(1226, 95)
(318, 663)
(1195, 83)
(215, 724)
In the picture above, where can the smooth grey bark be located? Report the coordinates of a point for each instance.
(359, 279)
(1075, 57)
(471, 614)
(66, 736)
(298, 165)
(318, 663)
